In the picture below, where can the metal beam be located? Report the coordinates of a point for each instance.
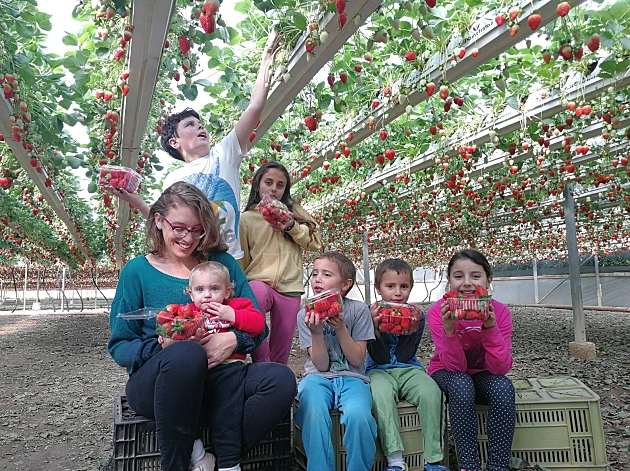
(574, 266)
(151, 20)
(49, 193)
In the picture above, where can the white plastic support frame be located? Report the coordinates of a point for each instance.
(51, 196)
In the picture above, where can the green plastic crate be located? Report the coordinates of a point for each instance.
(558, 425)
(136, 447)
(410, 433)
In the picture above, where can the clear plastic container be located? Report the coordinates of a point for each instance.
(326, 304)
(395, 318)
(119, 177)
(178, 327)
(273, 211)
(469, 309)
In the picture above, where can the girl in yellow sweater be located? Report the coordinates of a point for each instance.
(273, 259)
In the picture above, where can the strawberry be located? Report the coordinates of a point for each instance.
(210, 7)
(563, 9)
(310, 123)
(410, 56)
(444, 92)
(310, 44)
(513, 13)
(185, 310)
(390, 154)
(358, 68)
(331, 80)
(343, 77)
(164, 317)
(514, 29)
(480, 292)
(184, 44)
(433, 130)
(170, 308)
(405, 324)
(474, 52)
(500, 19)
(566, 51)
(451, 294)
(430, 3)
(208, 23)
(534, 21)
(430, 88)
(578, 53)
(341, 6)
(342, 19)
(593, 42)
(383, 135)
(546, 56)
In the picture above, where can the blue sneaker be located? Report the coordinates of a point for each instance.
(435, 467)
(396, 468)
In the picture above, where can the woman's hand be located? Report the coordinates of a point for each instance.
(447, 322)
(491, 321)
(219, 347)
(415, 320)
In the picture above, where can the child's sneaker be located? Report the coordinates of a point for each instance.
(397, 468)
(204, 464)
(436, 467)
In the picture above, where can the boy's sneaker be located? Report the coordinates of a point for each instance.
(204, 464)
(436, 467)
(396, 468)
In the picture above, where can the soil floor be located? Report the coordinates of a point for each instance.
(58, 382)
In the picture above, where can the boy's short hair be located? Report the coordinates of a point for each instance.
(345, 265)
(394, 264)
(169, 131)
(211, 268)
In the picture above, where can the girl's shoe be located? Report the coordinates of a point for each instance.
(436, 467)
(396, 468)
(204, 464)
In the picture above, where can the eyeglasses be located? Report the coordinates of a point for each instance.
(180, 232)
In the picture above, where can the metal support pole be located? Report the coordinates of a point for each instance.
(63, 285)
(598, 285)
(574, 266)
(95, 290)
(366, 270)
(37, 290)
(536, 295)
(25, 283)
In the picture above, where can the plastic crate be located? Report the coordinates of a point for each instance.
(410, 433)
(558, 425)
(136, 447)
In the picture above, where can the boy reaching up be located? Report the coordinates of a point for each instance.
(335, 372)
(214, 171)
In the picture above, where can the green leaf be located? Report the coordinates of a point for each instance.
(65, 103)
(70, 40)
(92, 187)
(213, 63)
(74, 162)
(299, 20)
(190, 92)
(625, 42)
(102, 52)
(607, 39)
(243, 7)
(474, 3)
(59, 124)
(241, 103)
(82, 78)
(609, 65)
(614, 28)
(24, 30)
(203, 82)
(264, 6)
(159, 168)
(512, 102)
(27, 75)
(22, 59)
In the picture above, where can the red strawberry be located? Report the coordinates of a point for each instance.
(405, 324)
(341, 6)
(310, 44)
(410, 56)
(331, 80)
(451, 294)
(310, 123)
(513, 13)
(546, 56)
(430, 3)
(210, 7)
(514, 29)
(534, 21)
(563, 9)
(430, 88)
(474, 52)
(383, 135)
(577, 53)
(342, 20)
(252, 136)
(480, 292)
(444, 92)
(593, 42)
(500, 19)
(184, 44)
(208, 23)
(171, 308)
(358, 68)
(389, 153)
(343, 77)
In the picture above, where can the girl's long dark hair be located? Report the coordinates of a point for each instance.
(254, 196)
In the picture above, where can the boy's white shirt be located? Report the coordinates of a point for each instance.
(217, 176)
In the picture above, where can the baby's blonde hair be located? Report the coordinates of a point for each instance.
(211, 268)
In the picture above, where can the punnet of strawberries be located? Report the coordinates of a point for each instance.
(179, 321)
(326, 304)
(273, 211)
(394, 318)
(470, 308)
(119, 177)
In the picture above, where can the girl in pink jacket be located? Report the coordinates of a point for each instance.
(470, 362)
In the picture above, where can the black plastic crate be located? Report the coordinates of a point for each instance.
(136, 447)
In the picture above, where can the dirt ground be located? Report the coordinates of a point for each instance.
(58, 382)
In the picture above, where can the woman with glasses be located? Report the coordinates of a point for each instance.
(168, 379)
